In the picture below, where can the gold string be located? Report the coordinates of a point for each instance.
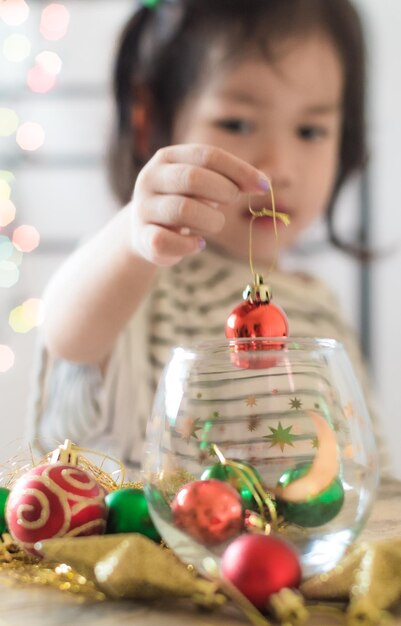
(254, 485)
(250, 611)
(106, 457)
(322, 610)
(68, 452)
(283, 217)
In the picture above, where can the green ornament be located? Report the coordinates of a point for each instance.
(315, 511)
(151, 4)
(231, 475)
(129, 513)
(4, 493)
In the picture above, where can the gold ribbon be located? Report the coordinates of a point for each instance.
(276, 215)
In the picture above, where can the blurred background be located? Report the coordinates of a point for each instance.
(55, 123)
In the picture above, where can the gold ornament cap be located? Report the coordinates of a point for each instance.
(67, 452)
(258, 292)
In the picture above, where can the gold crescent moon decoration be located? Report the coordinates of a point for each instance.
(324, 468)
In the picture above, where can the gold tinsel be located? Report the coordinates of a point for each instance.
(16, 566)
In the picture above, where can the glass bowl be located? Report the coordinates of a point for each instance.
(283, 423)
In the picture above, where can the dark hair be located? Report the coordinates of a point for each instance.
(163, 51)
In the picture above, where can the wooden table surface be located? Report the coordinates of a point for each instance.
(30, 606)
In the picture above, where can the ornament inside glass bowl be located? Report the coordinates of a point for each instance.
(284, 450)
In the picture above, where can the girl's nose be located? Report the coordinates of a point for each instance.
(278, 164)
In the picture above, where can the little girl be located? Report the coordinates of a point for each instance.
(215, 98)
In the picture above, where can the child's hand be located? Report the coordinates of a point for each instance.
(177, 196)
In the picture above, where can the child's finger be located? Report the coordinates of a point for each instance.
(246, 177)
(183, 211)
(165, 247)
(190, 180)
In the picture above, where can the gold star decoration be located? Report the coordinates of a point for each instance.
(295, 403)
(188, 428)
(253, 422)
(280, 437)
(107, 561)
(205, 454)
(315, 442)
(369, 576)
(251, 401)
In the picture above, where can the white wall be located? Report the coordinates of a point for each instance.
(384, 20)
(62, 189)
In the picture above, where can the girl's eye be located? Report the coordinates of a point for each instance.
(311, 133)
(235, 125)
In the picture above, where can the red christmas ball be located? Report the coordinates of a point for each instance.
(55, 500)
(252, 320)
(260, 565)
(208, 510)
(257, 319)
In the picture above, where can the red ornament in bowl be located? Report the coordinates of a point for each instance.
(208, 510)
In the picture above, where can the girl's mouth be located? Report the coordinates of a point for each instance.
(265, 221)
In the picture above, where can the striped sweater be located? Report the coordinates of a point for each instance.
(188, 303)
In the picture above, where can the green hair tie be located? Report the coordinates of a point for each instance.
(151, 4)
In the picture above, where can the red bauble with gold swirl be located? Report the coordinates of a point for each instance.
(55, 500)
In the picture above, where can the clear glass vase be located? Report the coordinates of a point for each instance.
(284, 423)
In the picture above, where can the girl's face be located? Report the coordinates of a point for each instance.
(284, 118)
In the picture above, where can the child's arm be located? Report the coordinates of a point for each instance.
(96, 291)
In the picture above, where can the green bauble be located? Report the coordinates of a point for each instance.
(129, 513)
(315, 511)
(4, 493)
(230, 475)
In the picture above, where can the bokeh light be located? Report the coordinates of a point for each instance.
(7, 176)
(50, 61)
(7, 358)
(30, 136)
(16, 256)
(9, 274)
(8, 122)
(16, 48)
(6, 248)
(17, 320)
(27, 316)
(8, 252)
(14, 12)
(39, 80)
(7, 212)
(26, 238)
(54, 21)
(5, 190)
